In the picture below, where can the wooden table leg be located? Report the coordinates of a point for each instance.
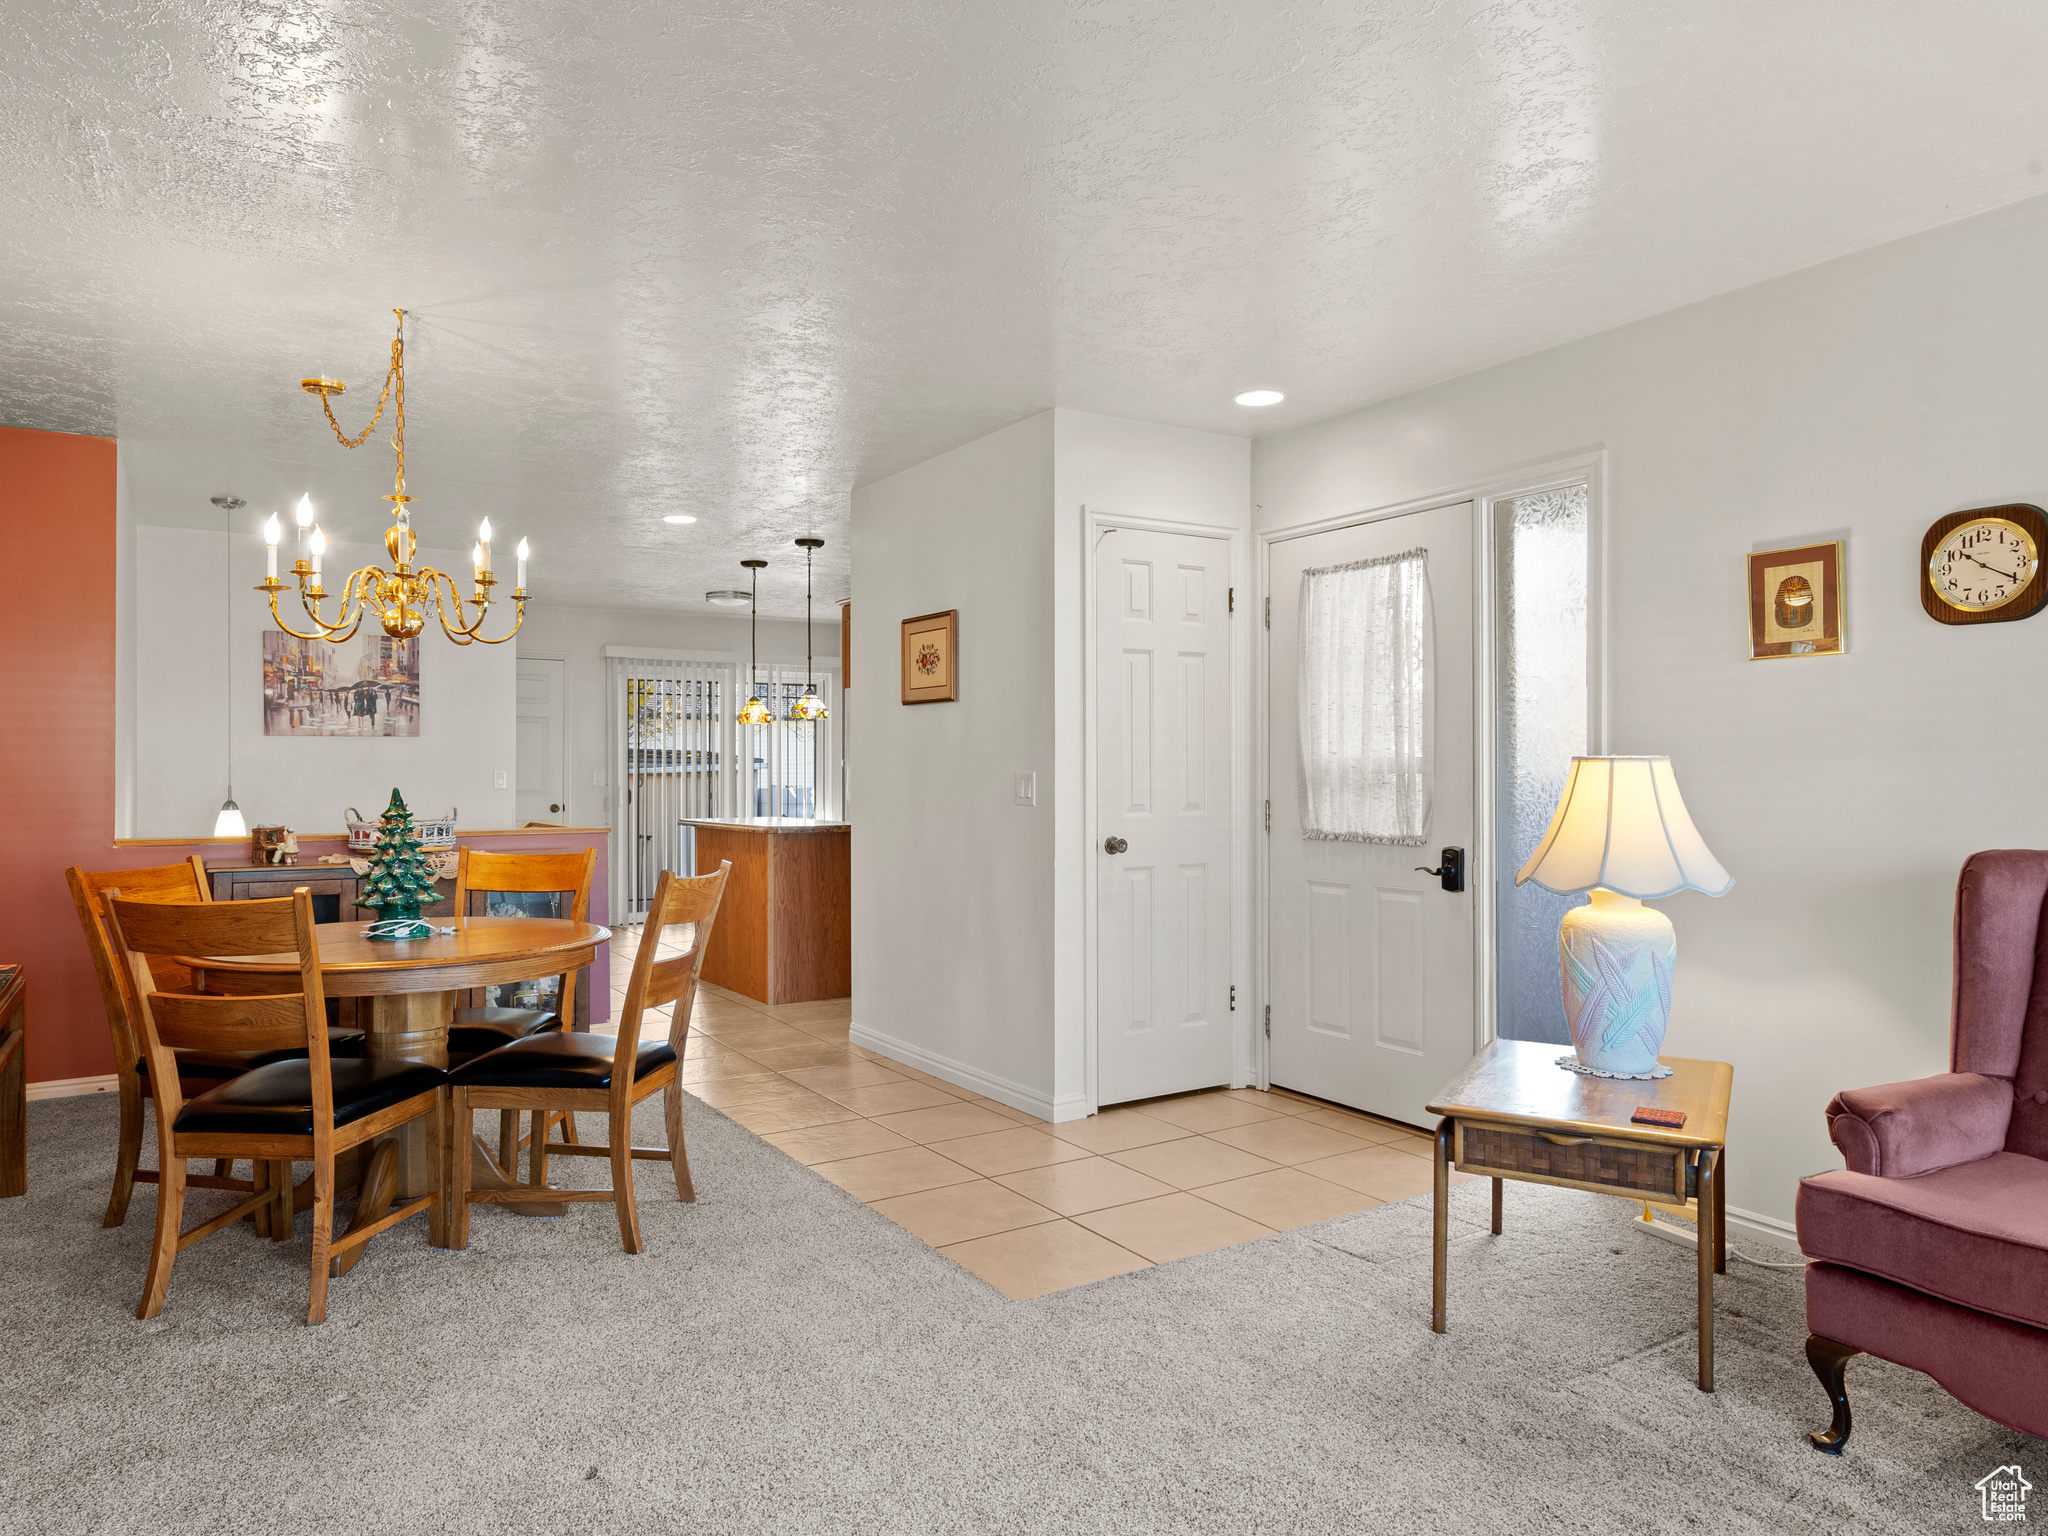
(1441, 1236)
(1709, 1234)
(411, 1026)
(1496, 1205)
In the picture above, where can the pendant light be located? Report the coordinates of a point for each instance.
(810, 706)
(229, 822)
(756, 713)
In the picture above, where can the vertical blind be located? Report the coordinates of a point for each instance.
(680, 753)
(1368, 715)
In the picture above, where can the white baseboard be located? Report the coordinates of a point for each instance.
(1763, 1229)
(72, 1087)
(989, 1086)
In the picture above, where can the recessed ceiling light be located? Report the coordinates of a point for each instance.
(1260, 397)
(677, 517)
(727, 599)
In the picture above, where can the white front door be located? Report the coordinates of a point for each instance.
(543, 742)
(1162, 681)
(1371, 962)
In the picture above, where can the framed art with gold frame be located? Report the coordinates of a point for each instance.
(931, 658)
(1795, 602)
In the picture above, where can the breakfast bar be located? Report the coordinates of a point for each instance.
(785, 932)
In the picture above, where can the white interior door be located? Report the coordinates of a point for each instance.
(1162, 660)
(1371, 963)
(543, 793)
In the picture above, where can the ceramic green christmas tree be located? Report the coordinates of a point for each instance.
(399, 882)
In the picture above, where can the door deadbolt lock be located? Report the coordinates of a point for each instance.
(1115, 845)
(1451, 871)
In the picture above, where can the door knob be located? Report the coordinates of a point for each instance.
(1451, 871)
(1114, 845)
(554, 808)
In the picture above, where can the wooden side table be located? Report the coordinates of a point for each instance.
(1515, 1114)
(13, 1080)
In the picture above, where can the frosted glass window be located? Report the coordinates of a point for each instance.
(1540, 551)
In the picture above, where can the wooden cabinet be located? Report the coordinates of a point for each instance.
(333, 888)
(785, 927)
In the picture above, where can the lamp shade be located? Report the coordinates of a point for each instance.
(1622, 826)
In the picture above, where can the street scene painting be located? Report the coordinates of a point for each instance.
(367, 685)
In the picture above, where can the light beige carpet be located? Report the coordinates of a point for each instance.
(784, 1360)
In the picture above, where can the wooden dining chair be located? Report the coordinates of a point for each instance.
(197, 1070)
(478, 877)
(595, 1073)
(309, 1108)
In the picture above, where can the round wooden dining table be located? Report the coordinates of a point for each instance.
(411, 988)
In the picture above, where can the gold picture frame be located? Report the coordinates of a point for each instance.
(931, 658)
(1795, 602)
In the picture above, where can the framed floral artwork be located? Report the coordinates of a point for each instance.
(1795, 602)
(931, 656)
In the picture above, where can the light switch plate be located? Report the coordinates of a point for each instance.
(597, 777)
(1027, 789)
(503, 780)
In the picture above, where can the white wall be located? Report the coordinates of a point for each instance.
(952, 881)
(578, 636)
(1872, 395)
(1135, 469)
(183, 602)
(969, 919)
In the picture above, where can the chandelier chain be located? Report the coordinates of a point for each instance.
(395, 374)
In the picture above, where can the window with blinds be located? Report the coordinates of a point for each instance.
(680, 753)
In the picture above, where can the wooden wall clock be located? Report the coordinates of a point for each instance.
(1984, 566)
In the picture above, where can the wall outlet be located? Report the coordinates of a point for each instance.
(502, 779)
(1027, 789)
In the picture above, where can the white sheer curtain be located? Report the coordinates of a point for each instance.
(1367, 700)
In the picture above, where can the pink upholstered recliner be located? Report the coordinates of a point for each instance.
(1931, 1247)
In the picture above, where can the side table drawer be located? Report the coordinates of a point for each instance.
(1588, 1162)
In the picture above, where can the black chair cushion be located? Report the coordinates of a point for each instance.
(277, 1100)
(216, 1066)
(557, 1061)
(477, 1030)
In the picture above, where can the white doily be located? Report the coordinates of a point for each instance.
(1573, 1064)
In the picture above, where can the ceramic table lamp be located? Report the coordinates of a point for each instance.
(1620, 832)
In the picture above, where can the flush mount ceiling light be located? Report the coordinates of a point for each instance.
(728, 599)
(1260, 397)
(677, 517)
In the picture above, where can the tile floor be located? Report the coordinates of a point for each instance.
(1028, 1206)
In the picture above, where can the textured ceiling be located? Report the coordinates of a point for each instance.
(733, 261)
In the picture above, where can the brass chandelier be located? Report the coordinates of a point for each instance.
(398, 597)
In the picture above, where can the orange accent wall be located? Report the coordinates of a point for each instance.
(57, 760)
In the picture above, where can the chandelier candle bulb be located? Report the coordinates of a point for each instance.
(521, 583)
(483, 540)
(319, 547)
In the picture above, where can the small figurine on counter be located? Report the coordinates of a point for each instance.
(274, 845)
